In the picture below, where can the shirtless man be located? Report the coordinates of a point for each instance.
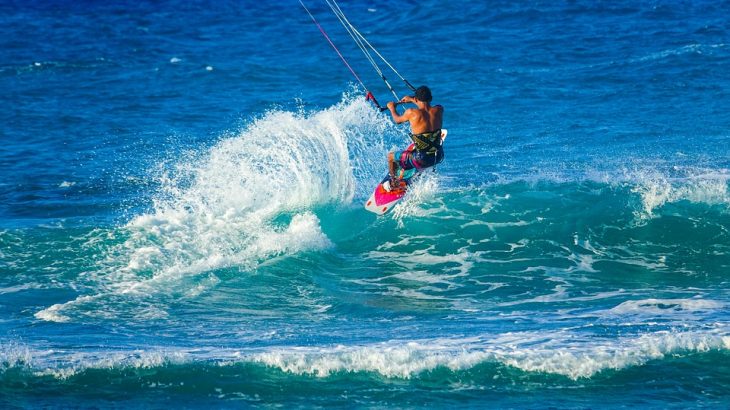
(425, 120)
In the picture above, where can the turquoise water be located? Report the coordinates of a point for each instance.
(181, 221)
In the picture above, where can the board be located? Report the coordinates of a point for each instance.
(385, 197)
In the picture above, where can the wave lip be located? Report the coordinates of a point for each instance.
(65, 364)
(694, 185)
(529, 352)
(573, 361)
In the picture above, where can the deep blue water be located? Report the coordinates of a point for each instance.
(181, 221)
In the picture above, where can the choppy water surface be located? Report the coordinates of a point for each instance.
(181, 220)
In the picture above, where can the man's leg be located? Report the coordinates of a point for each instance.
(391, 165)
(392, 169)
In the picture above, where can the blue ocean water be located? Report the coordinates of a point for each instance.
(181, 221)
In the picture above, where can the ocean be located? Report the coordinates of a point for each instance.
(182, 222)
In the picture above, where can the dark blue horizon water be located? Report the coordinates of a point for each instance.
(181, 221)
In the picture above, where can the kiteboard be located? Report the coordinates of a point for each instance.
(385, 196)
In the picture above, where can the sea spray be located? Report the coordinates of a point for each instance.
(223, 207)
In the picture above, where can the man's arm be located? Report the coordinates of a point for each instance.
(396, 117)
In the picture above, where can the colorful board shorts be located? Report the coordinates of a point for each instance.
(412, 158)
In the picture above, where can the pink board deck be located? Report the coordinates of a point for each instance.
(382, 200)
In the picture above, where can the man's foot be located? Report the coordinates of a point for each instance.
(394, 183)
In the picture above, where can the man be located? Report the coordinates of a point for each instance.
(425, 121)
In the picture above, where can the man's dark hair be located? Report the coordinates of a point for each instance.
(423, 94)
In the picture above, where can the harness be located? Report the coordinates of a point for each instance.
(427, 142)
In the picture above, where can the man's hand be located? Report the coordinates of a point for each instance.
(406, 99)
(391, 105)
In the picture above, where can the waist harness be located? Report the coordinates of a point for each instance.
(427, 142)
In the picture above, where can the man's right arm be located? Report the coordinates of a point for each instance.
(396, 117)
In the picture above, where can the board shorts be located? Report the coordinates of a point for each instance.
(411, 158)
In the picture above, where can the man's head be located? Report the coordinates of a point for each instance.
(423, 94)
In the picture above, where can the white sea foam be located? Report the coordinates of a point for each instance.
(657, 188)
(656, 307)
(582, 361)
(50, 314)
(53, 312)
(428, 257)
(139, 359)
(421, 191)
(62, 364)
(529, 352)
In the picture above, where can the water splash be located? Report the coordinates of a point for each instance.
(251, 197)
